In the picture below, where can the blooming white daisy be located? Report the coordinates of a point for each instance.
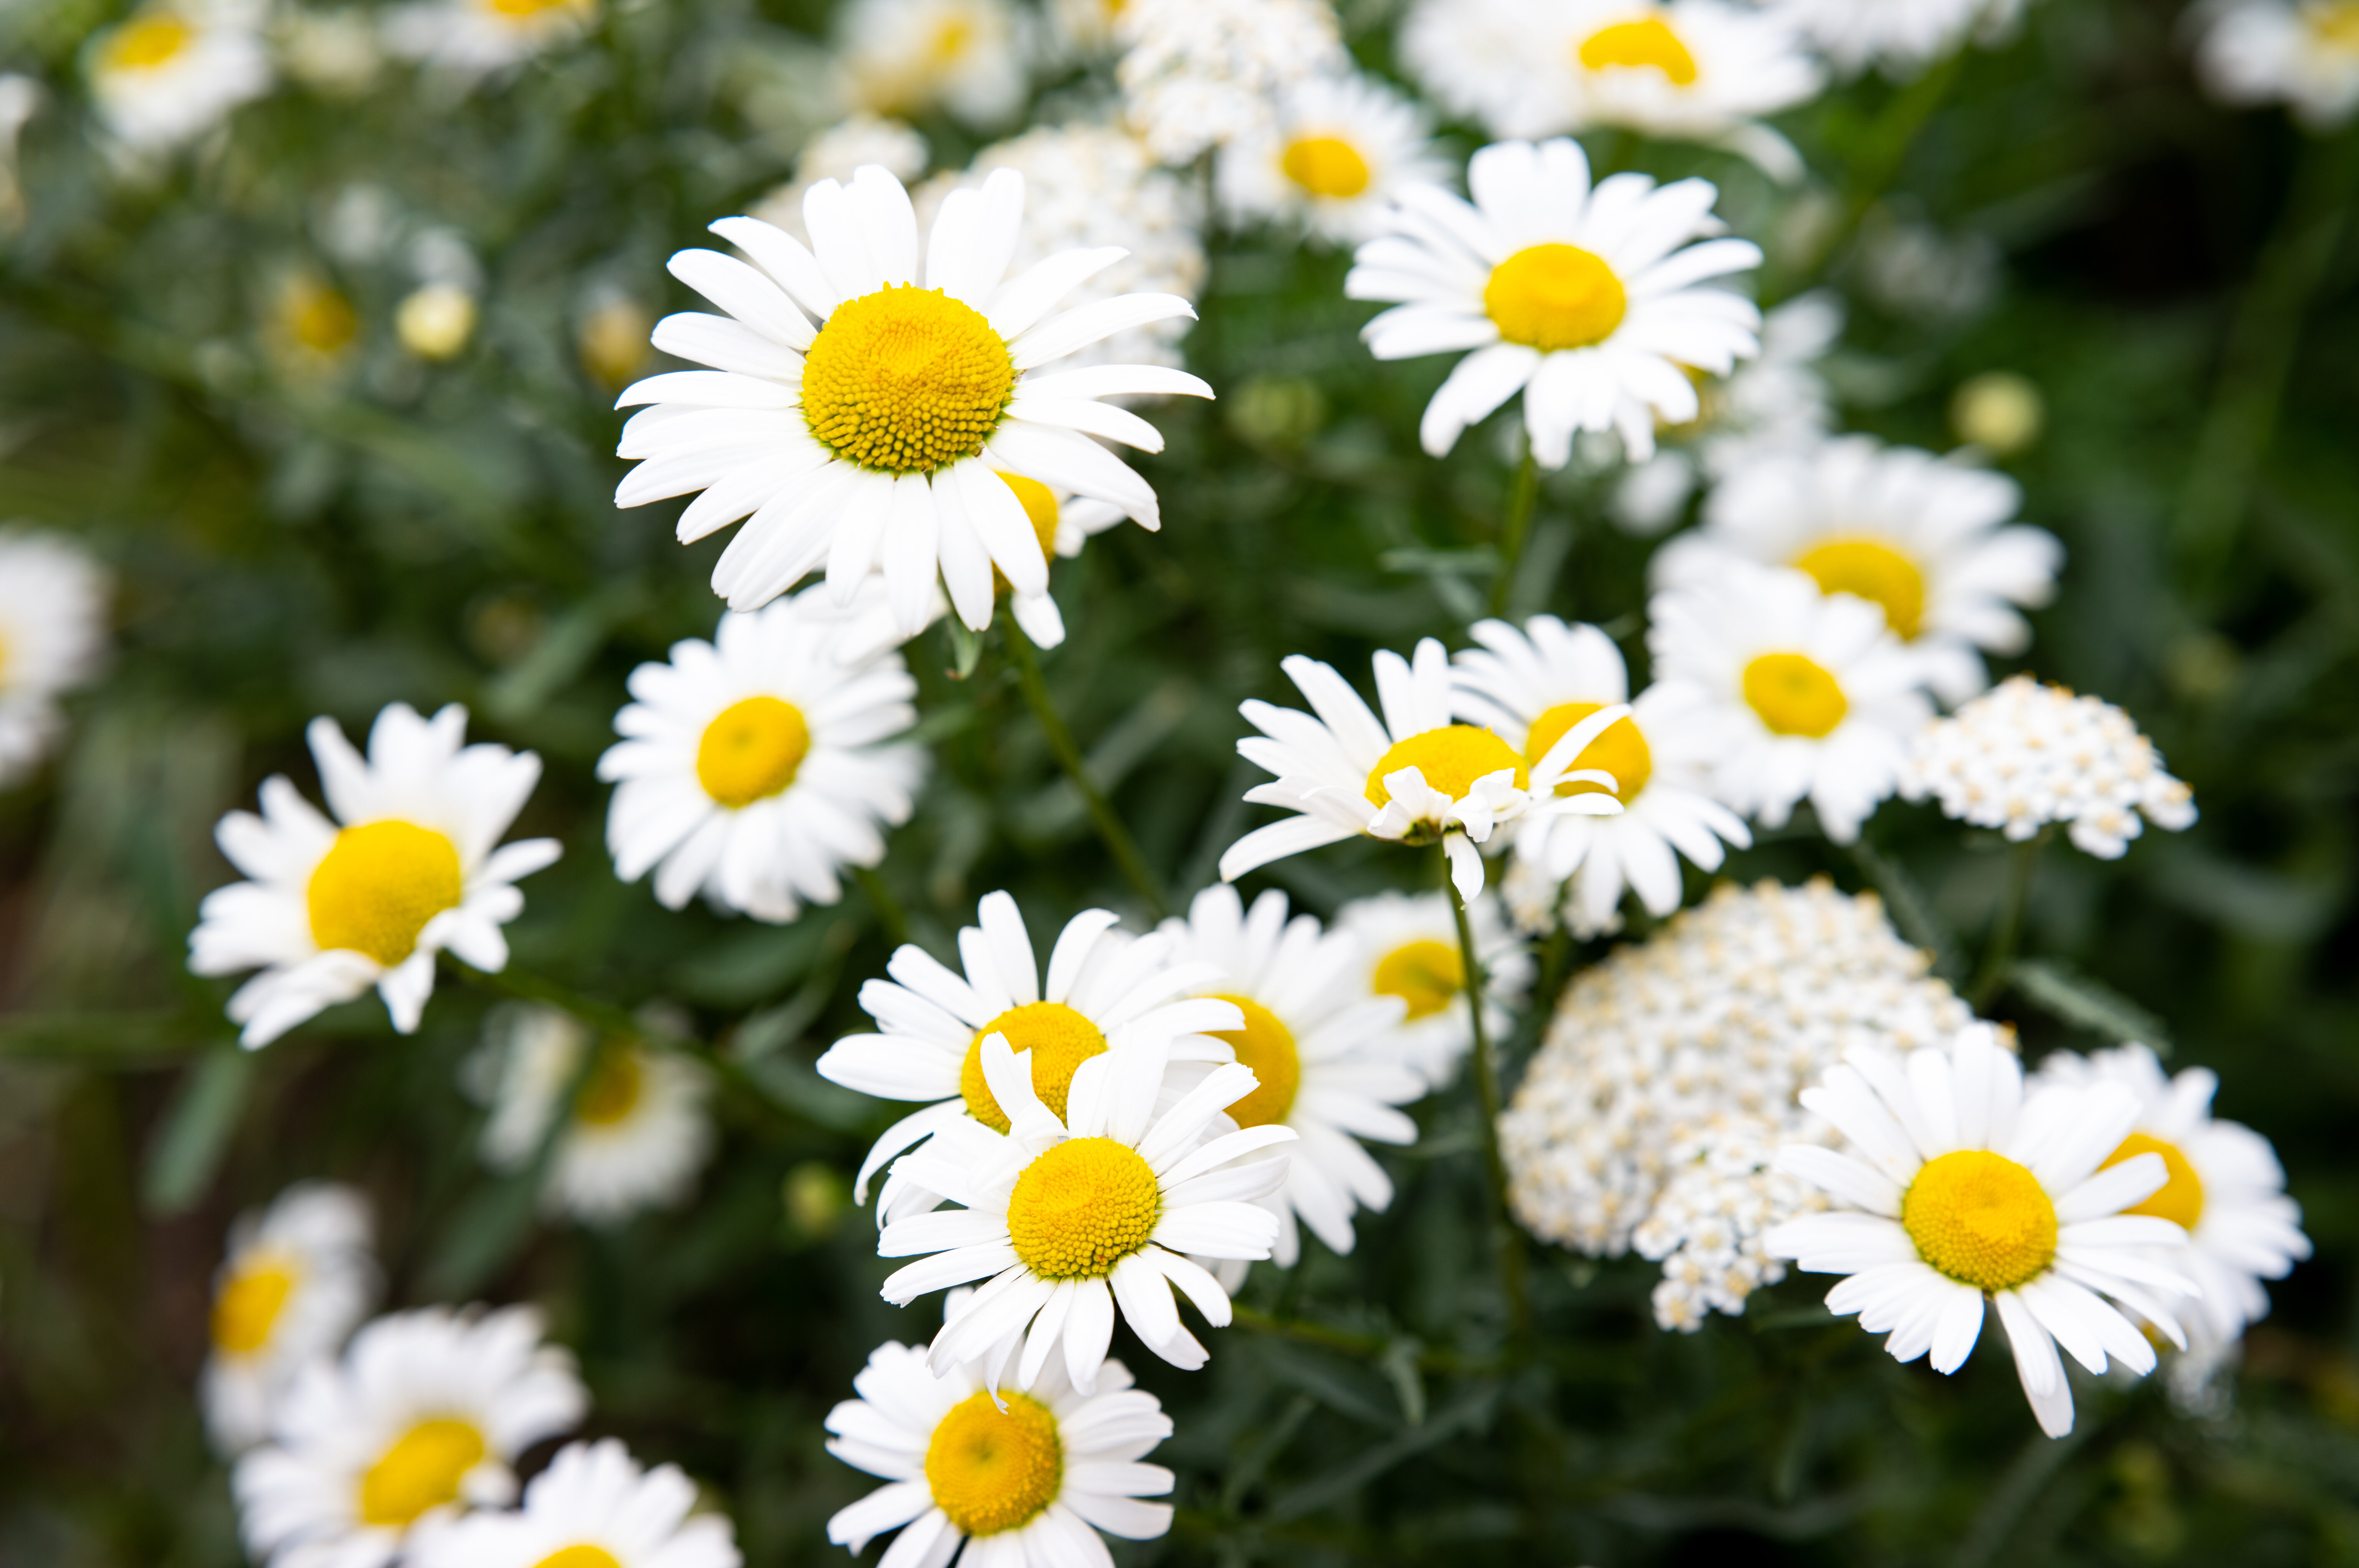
(594, 1506)
(1814, 696)
(2303, 54)
(1962, 1192)
(1582, 300)
(299, 1275)
(863, 421)
(52, 633)
(479, 37)
(1331, 160)
(1529, 686)
(1031, 1475)
(1415, 777)
(1070, 1217)
(1904, 39)
(1409, 949)
(1929, 541)
(2225, 1189)
(905, 57)
(1201, 73)
(411, 865)
(1105, 990)
(424, 1414)
(173, 70)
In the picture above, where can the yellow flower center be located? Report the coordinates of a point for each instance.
(526, 10)
(1059, 1040)
(751, 750)
(1082, 1208)
(1266, 1046)
(378, 885)
(580, 1557)
(613, 342)
(951, 39)
(419, 1472)
(4, 657)
(2336, 25)
(1451, 759)
(990, 1469)
(1649, 41)
(1794, 695)
(612, 1091)
(2179, 1199)
(248, 1306)
(1326, 166)
(144, 43)
(1426, 973)
(1981, 1219)
(318, 318)
(906, 380)
(1621, 751)
(1877, 573)
(1551, 297)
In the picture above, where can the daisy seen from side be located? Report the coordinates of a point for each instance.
(299, 1275)
(1407, 949)
(53, 635)
(1332, 161)
(594, 1506)
(170, 72)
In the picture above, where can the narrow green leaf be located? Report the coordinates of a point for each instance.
(2088, 1004)
(195, 1132)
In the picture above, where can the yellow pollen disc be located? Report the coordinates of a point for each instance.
(1621, 751)
(378, 885)
(906, 380)
(248, 1306)
(1794, 695)
(990, 1469)
(4, 657)
(1082, 1208)
(1266, 1046)
(1451, 759)
(751, 750)
(2179, 1199)
(1647, 42)
(525, 10)
(2336, 25)
(1059, 1040)
(951, 39)
(612, 1091)
(318, 318)
(1981, 1219)
(419, 1472)
(1551, 297)
(1426, 973)
(1877, 573)
(580, 1557)
(146, 42)
(1326, 166)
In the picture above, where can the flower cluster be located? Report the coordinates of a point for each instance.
(1707, 1229)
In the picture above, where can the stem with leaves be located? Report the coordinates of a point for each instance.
(2023, 859)
(1515, 527)
(1115, 837)
(1486, 1088)
(1889, 140)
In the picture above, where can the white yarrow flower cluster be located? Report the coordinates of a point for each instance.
(1201, 73)
(1706, 1230)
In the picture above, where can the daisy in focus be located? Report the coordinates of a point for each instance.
(2303, 54)
(1407, 949)
(1584, 300)
(904, 58)
(474, 38)
(863, 421)
(594, 1506)
(1332, 162)
(1963, 1193)
(53, 635)
(170, 72)
(422, 1416)
(1813, 696)
(299, 1275)
(411, 865)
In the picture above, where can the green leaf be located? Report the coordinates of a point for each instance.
(196, 1131)
(2088, 1004)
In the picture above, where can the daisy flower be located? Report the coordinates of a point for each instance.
(52, 633)
(1318, 1045)
(1930, 542)
(2303, 54)
(1032, 1475)
(171, 72)
(479, 37)
(2225, 1189)
(755, 766)
(1812, 694)
(1198, 74)
(411, 865)
(905, 57)
(1582, 300)
(1531, 685)
(594, 1506)
(1339, 149)
(1415, 777)
(863, 421)
(297, 1277)
(1407, 946)
(1963, 1193)
(424, 1414)
(1105, 990)
(1904, 39)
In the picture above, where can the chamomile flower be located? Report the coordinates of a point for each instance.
(1529, 686)
(2301, 53)
(1964, 1193)
(1929, 542)
(906, 57)
(1029, 1475)
(1407, 946)
(171, 72)
(864, 421)
(411, 865)
(298, 1276)
(1584, 300)
(1197, 74)
(594, 1506)
(1332, 161)
(52, 633)
(1904, 39)
(422, 1415)
(1812, 695)
(479, 37)
(1414, 778)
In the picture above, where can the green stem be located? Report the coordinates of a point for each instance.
(2022, 860)
(889, 916)
(1515, 527)
(1904, 118)
(1116, 837)
(1486, 1089)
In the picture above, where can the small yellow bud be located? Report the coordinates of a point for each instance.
(613, 342)
(435, 321)
(1999, 412)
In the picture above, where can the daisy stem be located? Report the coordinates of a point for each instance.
(1116, 837)
(1888, 142)
(1486, 1088)
(1523, 495)
(2022, 860)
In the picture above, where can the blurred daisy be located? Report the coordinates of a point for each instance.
(1032, 1476)
(1409, 949)
(1531, 685)
(1084, 30)
(1962, 1192)
(1198, 74)
(52, 633)
(2304, 55)
(1332, 161)
(423, 1415)
(755, 766)
(1812, 694)
(594, 1506)
(1904, 39)
(1413, 778)
(874, 442)
(411, 865)
(906, 57)
(297, 1277)
(479, 37)
(1930, 542)
(170, 72)
(1584, 301)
